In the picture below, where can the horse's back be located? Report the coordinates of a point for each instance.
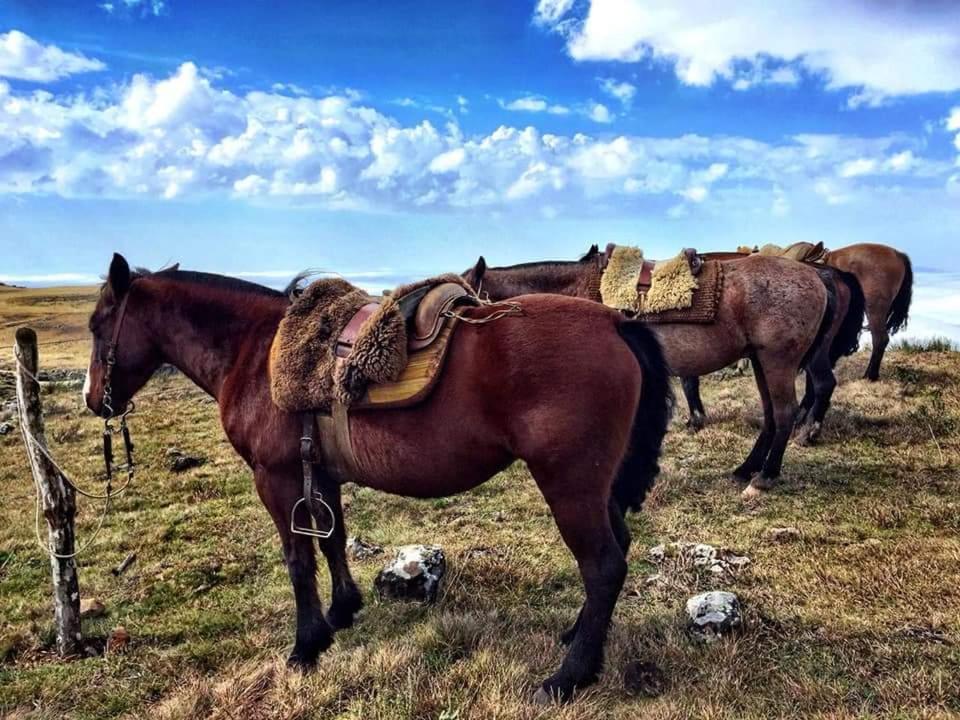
(775, 296)
(880, 269)
(555, 379)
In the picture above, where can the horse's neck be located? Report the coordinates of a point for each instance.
(203, 333)
(554, 279)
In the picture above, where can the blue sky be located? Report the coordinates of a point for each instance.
(385, 140)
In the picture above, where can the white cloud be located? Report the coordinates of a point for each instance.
(145, 8)
(901, 161)
(448, 161)
(621, 90)
(23, 58)
(855, 168)
(600, 113)
(185, 136)
(534, 104)
(888, 49)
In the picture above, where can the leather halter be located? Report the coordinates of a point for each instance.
(108, 430)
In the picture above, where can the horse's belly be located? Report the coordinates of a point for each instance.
(428, 451)
(692, 349)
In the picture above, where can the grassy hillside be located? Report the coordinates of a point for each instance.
(858, 615)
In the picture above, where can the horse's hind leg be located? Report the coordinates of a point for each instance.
(755, 459)
(620, 530)
(346, 600)
(783, 399)
(583, 518)
(877, 322)
(313, 633)
(691, 391)
(821, 383)
(807, 402)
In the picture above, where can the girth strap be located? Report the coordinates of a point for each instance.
(335, 443)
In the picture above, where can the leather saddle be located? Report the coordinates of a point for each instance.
(425, 310)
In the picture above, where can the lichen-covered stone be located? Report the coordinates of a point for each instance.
(713, 615)
(414, 574)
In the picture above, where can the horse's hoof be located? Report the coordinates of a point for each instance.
(741, 475)
(696, 423)
(343, 611)
(298, 662)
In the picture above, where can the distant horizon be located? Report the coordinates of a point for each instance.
(934, 313)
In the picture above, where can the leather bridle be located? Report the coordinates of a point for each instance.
(107, 404)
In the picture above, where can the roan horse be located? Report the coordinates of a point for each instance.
(574, 389)
(886, 276)
(774, 311)
(841, 339)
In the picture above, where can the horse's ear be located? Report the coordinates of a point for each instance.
(119, 276)
(818, 248)
(479, 269)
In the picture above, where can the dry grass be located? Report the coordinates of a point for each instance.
(859, 616)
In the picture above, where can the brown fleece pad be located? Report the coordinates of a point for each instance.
(705, 300)
(305, 372)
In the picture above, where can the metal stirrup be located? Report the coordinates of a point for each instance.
(310, 496)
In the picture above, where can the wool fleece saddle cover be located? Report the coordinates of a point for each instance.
(671, 294)
(678, 303)
(305, 372)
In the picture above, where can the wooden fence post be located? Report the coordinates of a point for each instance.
(57, 497)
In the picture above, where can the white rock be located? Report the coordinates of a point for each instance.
(414, 574)
(713, 615)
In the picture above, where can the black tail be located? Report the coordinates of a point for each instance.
(829, 282)
(640, 468)
(897, 320)
(847, 340)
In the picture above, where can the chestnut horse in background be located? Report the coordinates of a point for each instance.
(573, 388)
(886, 276)
(774, 311)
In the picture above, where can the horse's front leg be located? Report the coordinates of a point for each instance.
(279, 491)
(347, 600)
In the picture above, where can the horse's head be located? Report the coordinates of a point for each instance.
(123, 356)
(474, 276)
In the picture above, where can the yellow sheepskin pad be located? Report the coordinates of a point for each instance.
(618, 286)
(771, 249)
(671, 286)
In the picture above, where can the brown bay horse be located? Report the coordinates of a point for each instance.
(774, 311)
(886, 276)
(577, 391)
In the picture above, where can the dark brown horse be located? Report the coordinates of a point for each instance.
(886, 276)
(774, 311)
(574, 389)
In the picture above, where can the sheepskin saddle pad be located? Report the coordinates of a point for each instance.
(632, 283)
(336, 344)
(680, 300)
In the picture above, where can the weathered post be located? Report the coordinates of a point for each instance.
(57, 497)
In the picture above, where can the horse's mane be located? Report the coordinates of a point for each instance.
(224, 282)
(590, 254)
